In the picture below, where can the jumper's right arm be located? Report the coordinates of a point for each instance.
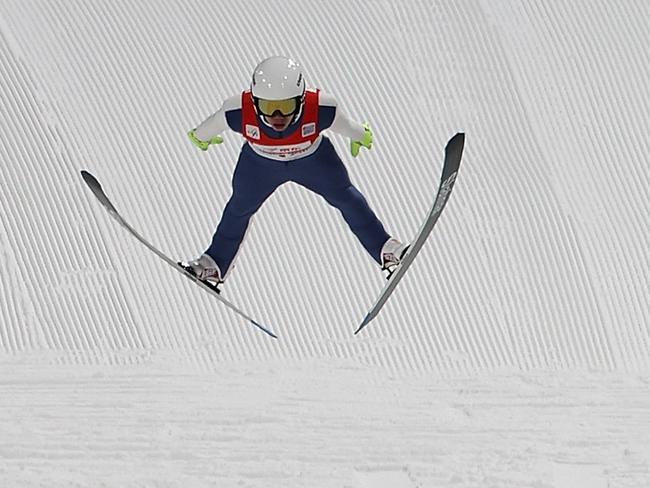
(208, 132)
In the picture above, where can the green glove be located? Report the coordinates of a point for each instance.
(366, 142)
(203, 145)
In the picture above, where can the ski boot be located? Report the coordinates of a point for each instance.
(392, 254)
(205, 269)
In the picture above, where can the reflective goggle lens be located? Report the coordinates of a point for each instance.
(288, 106)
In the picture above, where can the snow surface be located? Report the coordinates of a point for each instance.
(516, 353)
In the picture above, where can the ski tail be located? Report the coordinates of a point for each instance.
(365, 322)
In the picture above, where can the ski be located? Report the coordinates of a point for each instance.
(97, 190)
(453, 154)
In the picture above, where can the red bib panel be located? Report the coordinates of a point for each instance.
(300, 139)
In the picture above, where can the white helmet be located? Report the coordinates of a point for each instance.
(278, 78)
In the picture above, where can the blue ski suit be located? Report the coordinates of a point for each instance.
(300, 154)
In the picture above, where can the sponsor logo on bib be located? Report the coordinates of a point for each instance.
(308, 129)
(253, 131)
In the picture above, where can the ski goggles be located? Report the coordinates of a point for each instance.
(286, 107)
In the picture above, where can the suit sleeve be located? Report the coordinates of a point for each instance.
(337, 120)
(221, 120)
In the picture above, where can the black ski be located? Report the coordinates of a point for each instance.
(96, 188)
(453, 155)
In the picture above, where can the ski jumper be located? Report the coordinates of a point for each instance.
(300, 154)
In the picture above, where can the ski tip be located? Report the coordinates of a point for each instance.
(90, 180)
(459, 138)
